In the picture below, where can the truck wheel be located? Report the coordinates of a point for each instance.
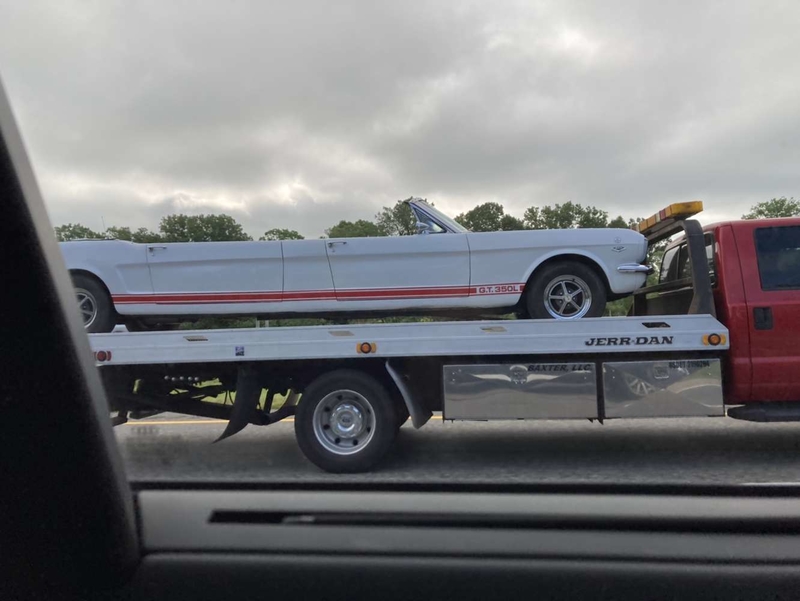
(566, 290)
(94, 304)
(345, 422)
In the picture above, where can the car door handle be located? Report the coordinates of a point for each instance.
(762, 318)
(330, 244)
(155, 248)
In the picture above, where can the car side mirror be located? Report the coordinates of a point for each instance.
(423, 228)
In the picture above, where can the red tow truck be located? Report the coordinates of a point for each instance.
(716, 336)
(754, 277)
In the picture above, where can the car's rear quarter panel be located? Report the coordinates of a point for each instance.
(121, 266)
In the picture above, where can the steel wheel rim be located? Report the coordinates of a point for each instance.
(87, 305)
(567, 297)
(344, 422)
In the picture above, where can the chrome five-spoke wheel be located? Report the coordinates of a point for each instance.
(87, 305)
(567, 297)
(565, 290)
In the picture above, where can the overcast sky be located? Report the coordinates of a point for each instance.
(298, 114)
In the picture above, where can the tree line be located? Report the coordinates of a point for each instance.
(397, 220)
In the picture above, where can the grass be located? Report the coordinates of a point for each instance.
(230, 397)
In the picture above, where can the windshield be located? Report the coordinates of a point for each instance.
(443, 220)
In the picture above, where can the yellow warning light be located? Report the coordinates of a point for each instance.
(678, 210)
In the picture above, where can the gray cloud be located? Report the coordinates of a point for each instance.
(299, 114)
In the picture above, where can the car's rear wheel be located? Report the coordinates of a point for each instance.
(566, 290)
(94, 304)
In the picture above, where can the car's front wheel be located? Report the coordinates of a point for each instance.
(566, 290)
(94, 304)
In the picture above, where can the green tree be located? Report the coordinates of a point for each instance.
(776, 207)
(145, 236)
(281, 234)
(620, 222)
(119, 233)
(489, 217)
(201, 228)
(486, 217)
(398, 220)
(564, 216)
(75, 231)
(354, 229)
(509, 223)
(142, 235)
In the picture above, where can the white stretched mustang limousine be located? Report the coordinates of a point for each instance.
(561, 274)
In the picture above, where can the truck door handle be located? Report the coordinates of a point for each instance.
(762, 318)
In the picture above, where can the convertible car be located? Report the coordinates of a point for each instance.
(561, 274)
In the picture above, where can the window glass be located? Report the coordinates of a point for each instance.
(435, 228)
(778, 252)
(668, 264)
(685, 264)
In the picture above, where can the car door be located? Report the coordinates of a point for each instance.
(196, 274)
(770, 259)
(421, 270)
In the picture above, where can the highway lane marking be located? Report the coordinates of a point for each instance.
(203, 422)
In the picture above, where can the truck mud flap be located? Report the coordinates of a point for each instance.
(245, 405)
(418, 413)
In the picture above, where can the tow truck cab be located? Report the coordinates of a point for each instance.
(753, 269)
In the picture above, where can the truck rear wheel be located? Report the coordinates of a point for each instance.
(345, 422)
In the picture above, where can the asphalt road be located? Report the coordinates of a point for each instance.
(697, 451)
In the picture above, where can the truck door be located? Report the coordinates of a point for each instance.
(770, 260)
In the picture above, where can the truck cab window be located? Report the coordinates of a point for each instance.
(778, 253)
(685, 264)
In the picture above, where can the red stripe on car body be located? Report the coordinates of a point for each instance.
(192, 298)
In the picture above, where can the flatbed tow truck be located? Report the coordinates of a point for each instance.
(686, 349)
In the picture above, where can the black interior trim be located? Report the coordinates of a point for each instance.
(62, 475)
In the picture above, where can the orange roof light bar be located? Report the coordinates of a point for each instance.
(679, 210)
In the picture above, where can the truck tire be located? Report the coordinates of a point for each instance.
(345, 422)
(402, 413)
(94, 304)
(566, 290)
